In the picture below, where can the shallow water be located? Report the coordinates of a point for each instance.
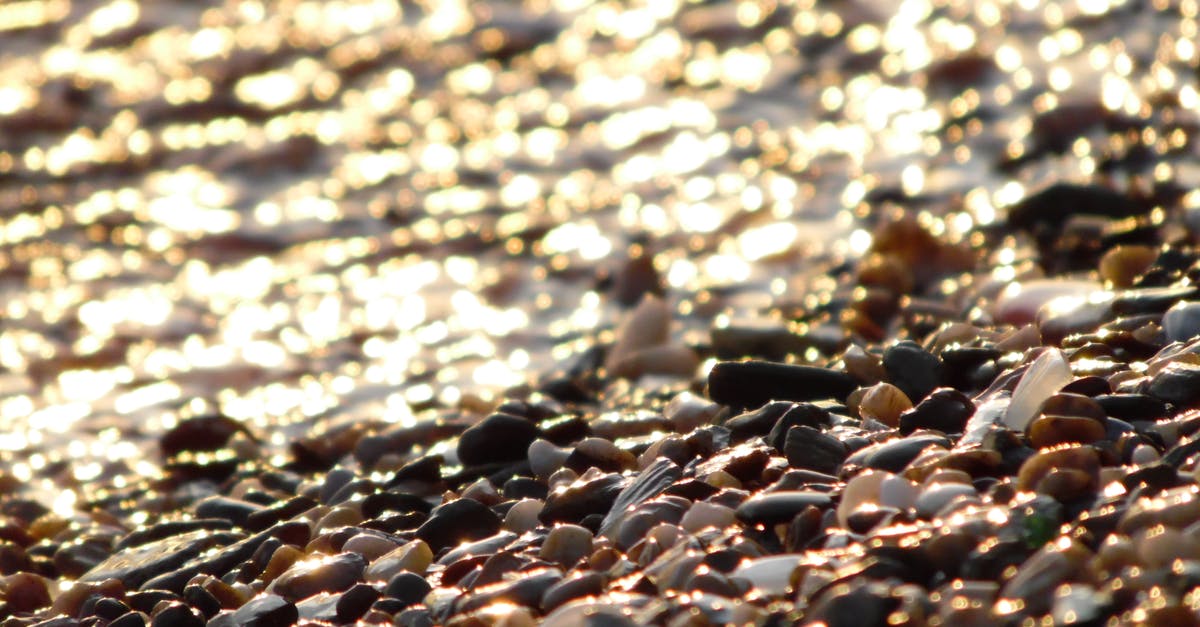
(300, 212)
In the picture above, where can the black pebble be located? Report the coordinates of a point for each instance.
(497, 438)
(408, 588)
(177, 615)
(266, 611)
(945, 409)
(202, 600)
(743, 384)
(810, 449)
(458, 521)
(912, 369)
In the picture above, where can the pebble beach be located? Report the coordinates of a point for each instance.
(598, 313)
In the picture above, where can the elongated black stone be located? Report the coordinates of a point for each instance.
(744, 384)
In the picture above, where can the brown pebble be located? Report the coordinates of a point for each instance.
(281, 560)
(884, 402)
(1122, 264)
(25, 592)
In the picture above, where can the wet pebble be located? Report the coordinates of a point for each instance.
(497, 438)
(324, 574)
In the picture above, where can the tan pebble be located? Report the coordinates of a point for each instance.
(25, 592)
(523, 515)
(884, 402)
(670, 359)
(1122, 264)
(702, 515)
(340, 516)
(947, 475)
(603, 450)
(665, 534)
(1020, 340)
(1144, 454)
(47, 526)
(561, 477)
(369, 546)
(225, 594)
(648, 325)
(1176, 507)
(414, 557)
(483, 491)
(70, 600)
(864, 366)
(1116, 553)
(249, 590)
(1160, 545)
(722, 479)
(545, 458)
(566, 544)
(281, 560)
(687, 411)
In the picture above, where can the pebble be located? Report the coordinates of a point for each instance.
(268, 610)
(458, 521)
(884, 402)
(329, 574)
(1178, 384)
(1181, 322)
(944, 409)
(497, 438)
(703, 515)
(1047, 374)
(811, 449)
(566, 544)
(744, 384)
(912, 369)
(780, 507)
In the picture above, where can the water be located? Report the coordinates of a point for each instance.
(311, 213)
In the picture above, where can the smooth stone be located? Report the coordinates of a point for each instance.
(485, 546)
(1044, 377)
(757, 422)
(129, 619)
(1020, 302)
(1058, 202)
(545, 458)
(686, 411)
(229, 557)
(1132, 407)
(523, 515)
(810, 449)
(415, 556)
(24, 592)
(935, 496)
(671, 360)
(1152, 300)
(895, 454)
(199, 433)
(370, 546)
(268, 610)
(599, 453)
(1178, 383)
(332, 574)
(702, 515)
(780, 507)
(525, 591)
(1038, 577)
(742, 384)
(136, 565)
(912, 369)
(458, 521)
(800, 414)
(177, 615)
(588, 583)
(407, 587)
(648, 325)
(884, 402)
(771, 575)
(944, 409)
(497, 438)
(566, 544)
(590, 494)
(877, 489)
(202, 600)
(766, 338)
(1181, 323)
(344, 607)
(1121, 265)
(1073, 315)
